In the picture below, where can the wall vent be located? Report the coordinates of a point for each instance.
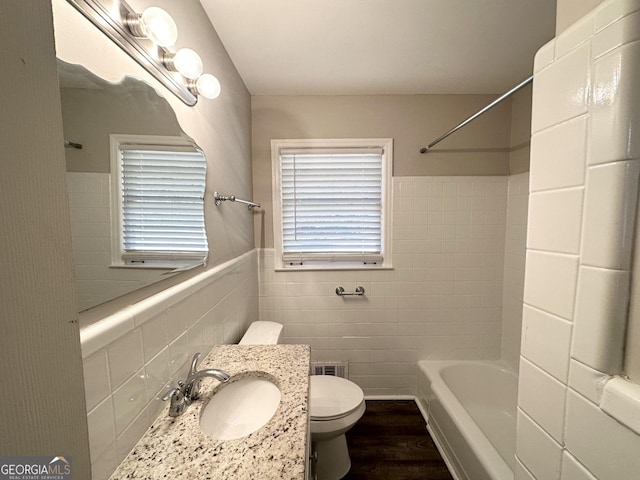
(337, 369)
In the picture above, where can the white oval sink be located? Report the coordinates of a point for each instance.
(240, 408)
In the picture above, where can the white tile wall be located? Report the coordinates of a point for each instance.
(577, 34)
(561, 92)
(612, 12)
(546, 341)
(521, 473)
(574, 470)
(601, 312)
(615, 77)
(586, 381)
(550, 282)
(96, 379)
(585, 118)
(606, 448)
(125, 357)
(555, 218)
(544, 57)
(542, 398)
(538, 452)
(128, 367)
(89, 204)
(616, 35)
(612, 212)
(442, 299)
(514, 262)
(560, 153)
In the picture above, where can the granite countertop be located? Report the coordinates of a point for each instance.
(176, 448)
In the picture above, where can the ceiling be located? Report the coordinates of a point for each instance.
(357, 47)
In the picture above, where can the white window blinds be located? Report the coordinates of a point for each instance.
(331, 205)
(162, 192)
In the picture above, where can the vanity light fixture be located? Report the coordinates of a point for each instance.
(185, 61)
(206, 85)
(155, 24)
(145, 37)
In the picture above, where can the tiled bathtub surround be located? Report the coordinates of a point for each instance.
(442, 300)
(131, 357)
(584, 189)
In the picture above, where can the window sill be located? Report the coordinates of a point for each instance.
(621, 400)
(144, 267)
(323, 268)
(170, 267)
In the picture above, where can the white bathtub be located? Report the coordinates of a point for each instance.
(471, 410)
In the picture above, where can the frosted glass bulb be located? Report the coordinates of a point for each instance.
(158, 26)
(188, 63)
(208, 86)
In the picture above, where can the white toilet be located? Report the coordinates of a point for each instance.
(335, 405)
(262, 333)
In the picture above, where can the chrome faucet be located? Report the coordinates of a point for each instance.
(192, 383)
(189, 390)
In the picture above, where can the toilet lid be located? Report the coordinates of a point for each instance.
(333, 397)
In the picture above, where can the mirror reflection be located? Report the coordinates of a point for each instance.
(94, 111)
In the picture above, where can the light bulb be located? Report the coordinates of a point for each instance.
(188, 63)
(155, 24)
(159, 26)
(208, 86)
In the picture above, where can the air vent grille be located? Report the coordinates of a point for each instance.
(337, 369)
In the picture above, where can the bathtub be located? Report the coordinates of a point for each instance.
(471, 415)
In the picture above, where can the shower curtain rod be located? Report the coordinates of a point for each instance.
(477, 114)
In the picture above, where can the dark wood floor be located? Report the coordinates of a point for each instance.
(390, 442)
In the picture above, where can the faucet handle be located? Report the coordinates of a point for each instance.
(178, 401)
(194, 364)
(169, 394)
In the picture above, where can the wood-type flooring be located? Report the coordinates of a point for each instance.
(390, 442)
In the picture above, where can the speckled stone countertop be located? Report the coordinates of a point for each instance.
(177, 448)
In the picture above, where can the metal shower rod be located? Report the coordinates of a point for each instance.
(477, 114)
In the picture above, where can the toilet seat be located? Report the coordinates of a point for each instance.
(332, 398)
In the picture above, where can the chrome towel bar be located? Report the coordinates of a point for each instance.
(341, 293)
(232, 198)
(69, 144)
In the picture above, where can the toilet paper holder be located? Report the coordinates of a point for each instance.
(341, 292)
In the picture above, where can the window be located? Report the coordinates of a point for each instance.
(332, 203)
(158, 202)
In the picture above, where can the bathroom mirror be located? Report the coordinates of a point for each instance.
(93, 110)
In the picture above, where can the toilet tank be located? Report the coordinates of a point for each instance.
(262, 333)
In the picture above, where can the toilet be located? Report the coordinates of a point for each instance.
(262, 333)
(335, 405)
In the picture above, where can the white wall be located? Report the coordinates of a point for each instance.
(584, 189)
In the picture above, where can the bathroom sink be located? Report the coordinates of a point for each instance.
(240, 408)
